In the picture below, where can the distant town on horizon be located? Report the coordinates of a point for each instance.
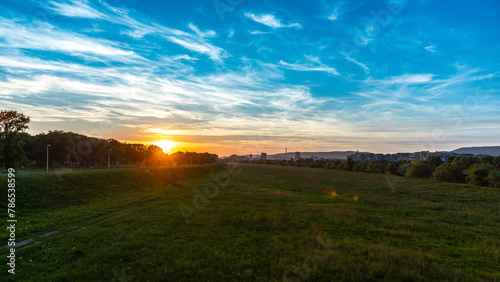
(476, 152)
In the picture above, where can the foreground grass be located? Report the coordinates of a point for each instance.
(269, 223)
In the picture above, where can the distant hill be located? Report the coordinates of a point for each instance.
(492, 150)
(341, 155)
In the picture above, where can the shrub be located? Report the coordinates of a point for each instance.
(452, 172)
(494, 178)
(335, 164)
(479, 174)
(487, 159)
(496, 162)
(341, 166)
(391, 168)
(419, 169)
(360, 166)
(434, 161)
(402, 169)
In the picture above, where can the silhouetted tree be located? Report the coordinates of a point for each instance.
(11, 123)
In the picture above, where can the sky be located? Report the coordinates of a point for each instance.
(241, 77)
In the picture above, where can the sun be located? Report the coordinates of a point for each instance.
(165, 145)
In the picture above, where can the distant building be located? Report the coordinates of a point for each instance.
(297, 155)
(421, 156)
(263, 156)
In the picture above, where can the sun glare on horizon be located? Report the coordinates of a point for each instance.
(165, 145)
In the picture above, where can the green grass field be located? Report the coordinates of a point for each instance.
(269, 223)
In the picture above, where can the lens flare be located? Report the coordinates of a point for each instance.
(330, 192)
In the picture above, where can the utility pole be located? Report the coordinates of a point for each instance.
(48, 145)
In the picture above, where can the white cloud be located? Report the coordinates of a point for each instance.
(404, 79)
(335, 14)
(270, 20)
(44, 36)
(195, 42)
(352, 60)
(208, 33)
(258, 32)
(215, 53)
(309, 67)
(77, 9)
(431, 48)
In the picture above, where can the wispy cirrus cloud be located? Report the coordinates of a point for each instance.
(196, 41)
(270, 20)
(43, 36)
(404, 79)
(431, 48)
(76, 8)
(354, 61)
(313, 64)
(335, 14)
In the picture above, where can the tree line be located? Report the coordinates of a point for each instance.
(484, 171)
(68, 149)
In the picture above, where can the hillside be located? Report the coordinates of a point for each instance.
(487, 150)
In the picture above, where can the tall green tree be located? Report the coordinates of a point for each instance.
(11, 123)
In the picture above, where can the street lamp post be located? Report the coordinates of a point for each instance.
(48, 145)
(109, 159)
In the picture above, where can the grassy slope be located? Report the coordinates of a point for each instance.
(265, 223)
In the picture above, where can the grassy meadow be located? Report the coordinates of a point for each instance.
(262, 223)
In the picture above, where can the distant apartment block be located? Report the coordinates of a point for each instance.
(297, 155)
(263, 156)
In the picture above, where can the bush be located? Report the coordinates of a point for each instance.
(419, 169)
(452, 172)
(496, 162)
(402, 169)
(335, 164)
(479, 174)
(391, 168)
(360, 167)
(434, 161)
(494, 178)
(487, 159)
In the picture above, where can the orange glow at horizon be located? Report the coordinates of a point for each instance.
(165, 145)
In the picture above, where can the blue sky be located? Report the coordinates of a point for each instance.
(237, 76)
